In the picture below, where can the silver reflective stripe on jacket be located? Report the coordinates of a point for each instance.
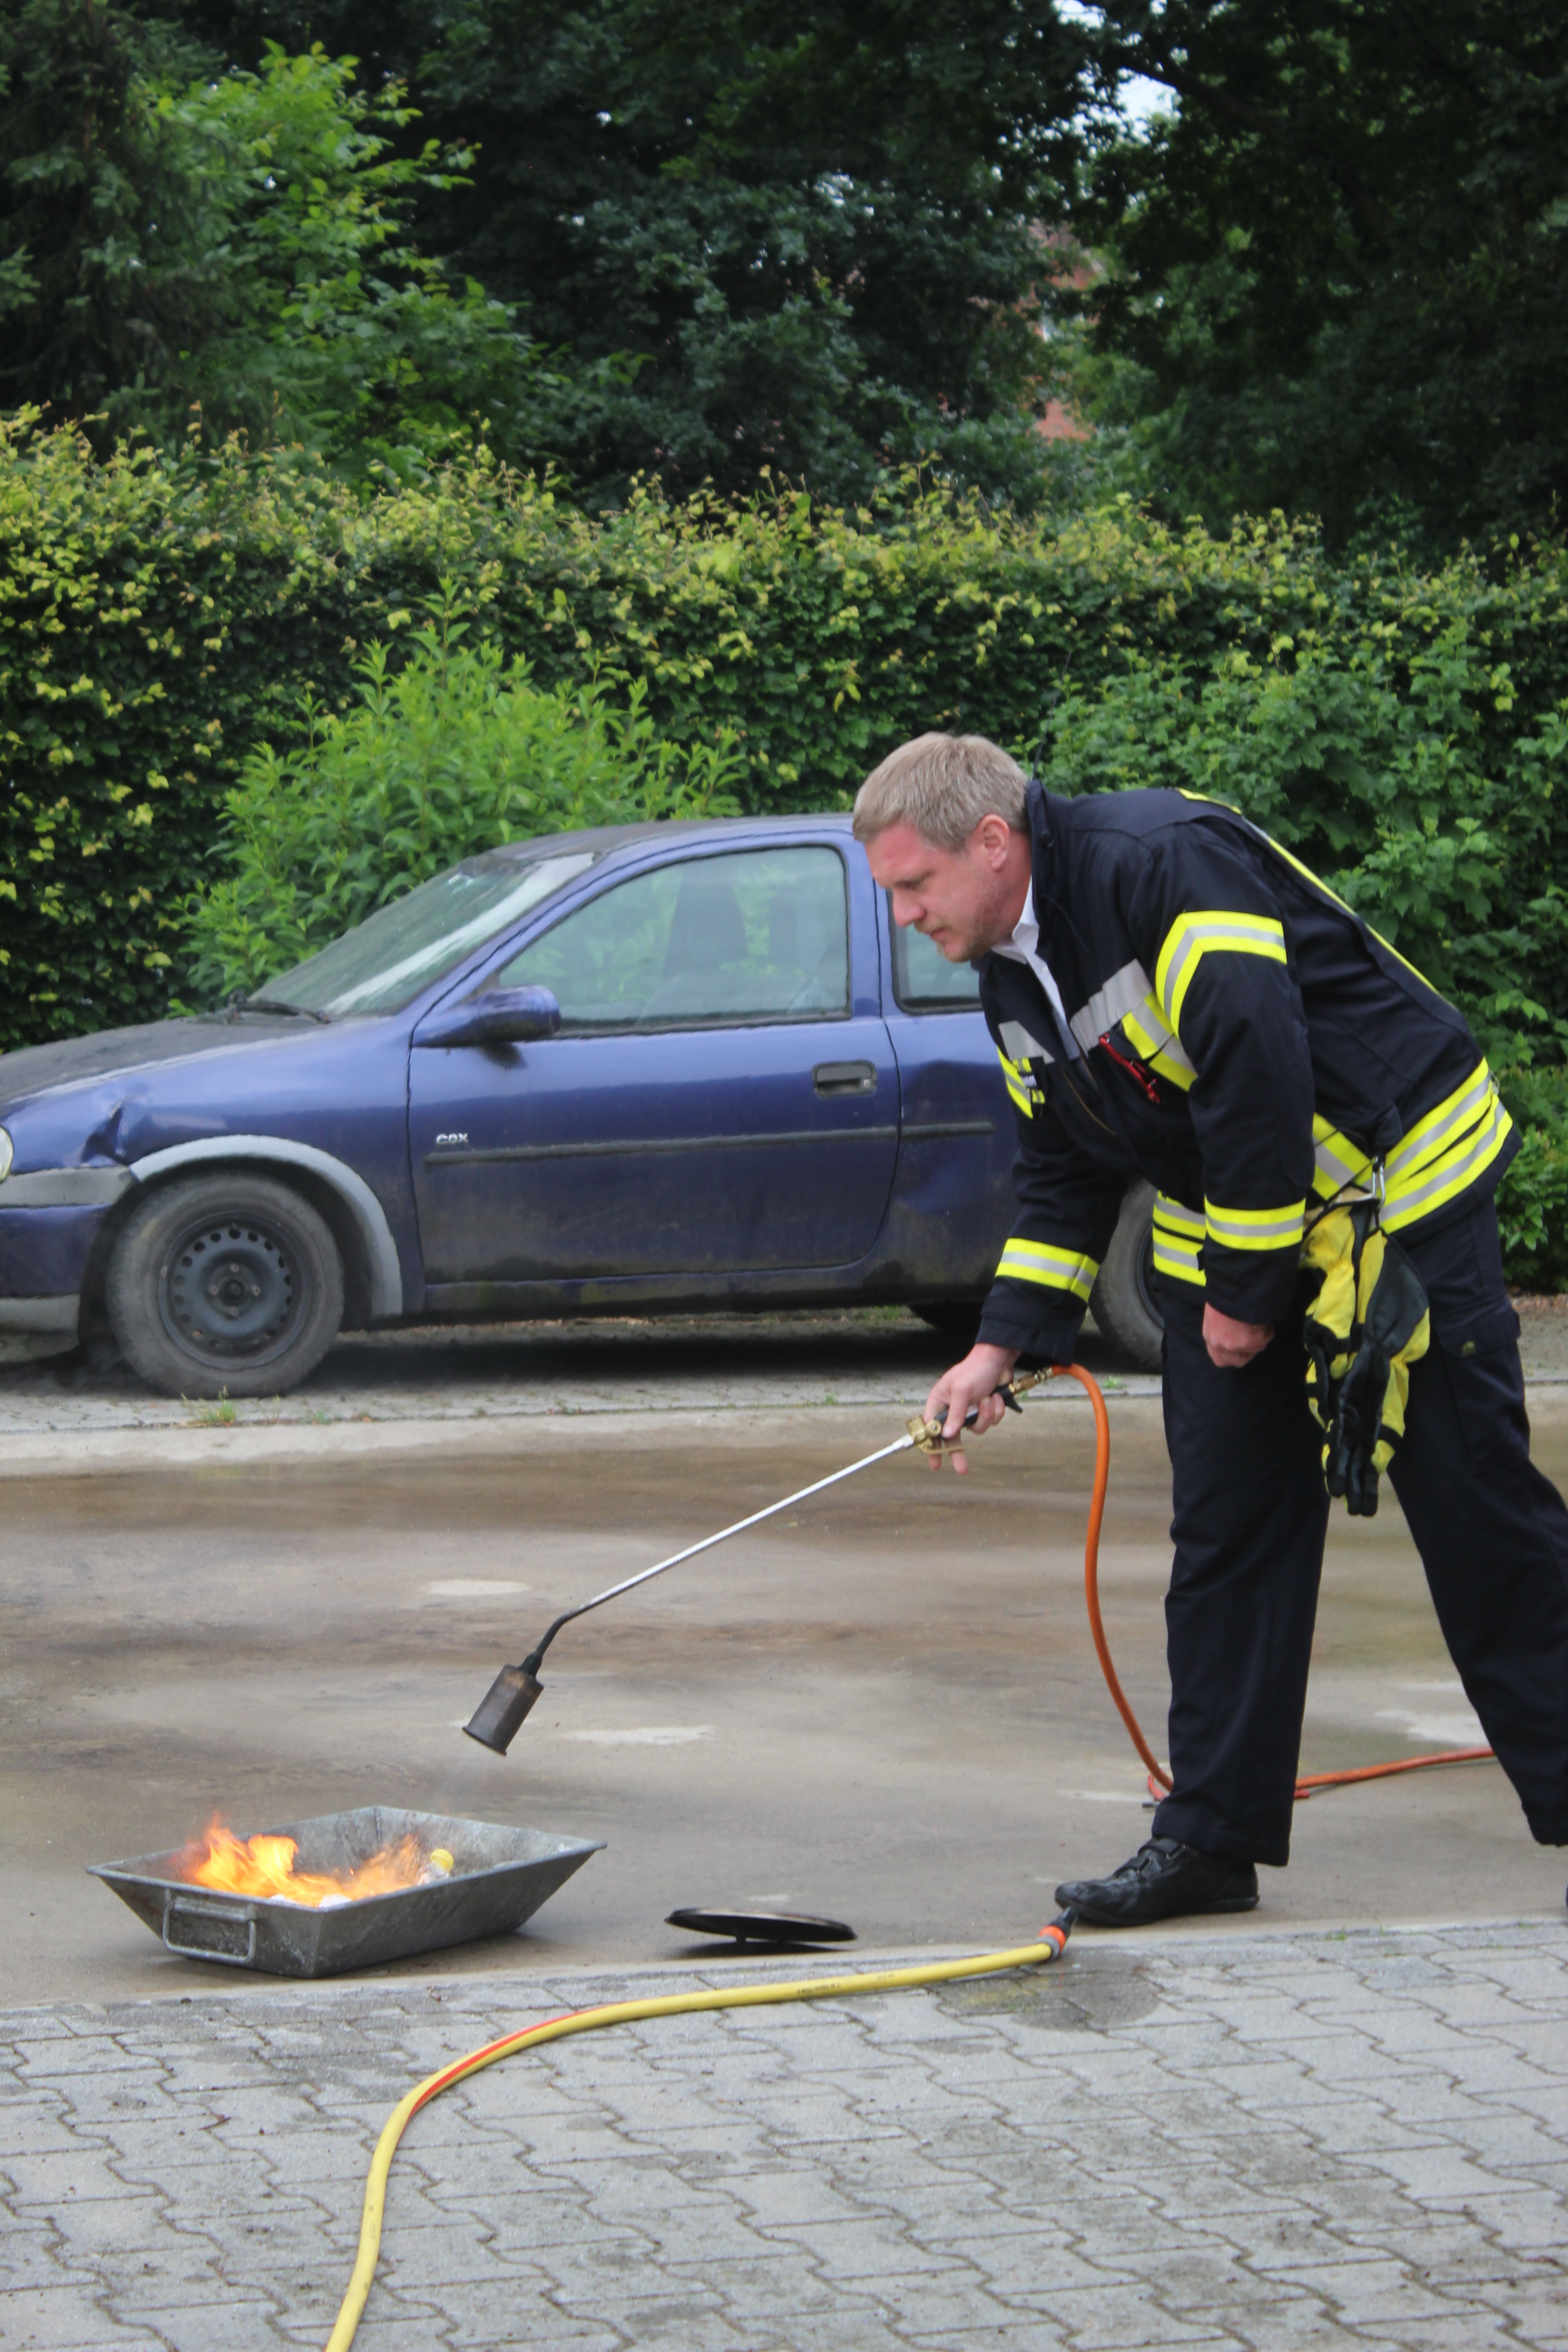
(1129, 998)
(1123, 992)
(1019, 1047)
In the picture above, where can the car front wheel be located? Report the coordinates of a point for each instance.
(957, 1319)
(1124, 1301)
(225, 1284)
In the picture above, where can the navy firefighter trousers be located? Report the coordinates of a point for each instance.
(1249, 1522)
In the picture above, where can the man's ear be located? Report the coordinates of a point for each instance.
(993, 838)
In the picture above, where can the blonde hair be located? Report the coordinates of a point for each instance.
(942, 785)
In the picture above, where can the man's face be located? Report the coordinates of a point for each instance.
(964, 900)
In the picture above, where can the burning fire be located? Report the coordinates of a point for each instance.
(264, 1866)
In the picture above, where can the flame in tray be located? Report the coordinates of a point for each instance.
(264, 1866)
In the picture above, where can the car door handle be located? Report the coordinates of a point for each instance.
(845, 1078)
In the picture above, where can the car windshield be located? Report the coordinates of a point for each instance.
(386, 959)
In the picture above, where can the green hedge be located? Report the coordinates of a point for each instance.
(455, 751)
(154, 622)
(160, 619)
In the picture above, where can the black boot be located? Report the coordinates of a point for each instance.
(1164, 1878)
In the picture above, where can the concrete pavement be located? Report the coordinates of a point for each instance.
(884, 1705)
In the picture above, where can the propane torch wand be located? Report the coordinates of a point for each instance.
(500, 1713)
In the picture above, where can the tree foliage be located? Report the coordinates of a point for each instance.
(339, 332)
(237, 247)
(99, 278)
(1337, 271)
(802, 236)
(810, 226)
(1368, 754)
(691, 242)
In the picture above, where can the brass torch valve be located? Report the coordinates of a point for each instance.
(927, 1434)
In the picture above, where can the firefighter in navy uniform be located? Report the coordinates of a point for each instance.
(1171, 994)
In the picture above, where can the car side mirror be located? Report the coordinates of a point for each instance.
(496, 1016)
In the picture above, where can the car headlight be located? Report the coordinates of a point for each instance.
(6, 1155)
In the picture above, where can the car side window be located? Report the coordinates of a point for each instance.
(924, 980)
(755, 935)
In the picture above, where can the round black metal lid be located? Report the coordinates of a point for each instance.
(763, 1927)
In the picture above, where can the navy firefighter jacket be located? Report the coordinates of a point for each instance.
(1234, 1032)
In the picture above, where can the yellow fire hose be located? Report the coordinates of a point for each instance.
(1050, 1946)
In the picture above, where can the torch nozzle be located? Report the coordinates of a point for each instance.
(501, 1713)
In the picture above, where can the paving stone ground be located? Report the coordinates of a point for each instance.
(1248, 2139)
(882, 1355)
(601, 1364)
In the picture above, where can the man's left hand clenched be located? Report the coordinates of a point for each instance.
(1233, 1345)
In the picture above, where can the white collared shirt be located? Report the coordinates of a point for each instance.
(1024, 946)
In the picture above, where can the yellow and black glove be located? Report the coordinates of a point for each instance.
(1367, 1325)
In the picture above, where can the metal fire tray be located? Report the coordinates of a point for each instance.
(500, 1878)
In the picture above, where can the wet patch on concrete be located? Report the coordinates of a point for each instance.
(1085, 1992)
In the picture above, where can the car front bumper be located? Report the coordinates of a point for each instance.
(43, 1315)
(49, 1219)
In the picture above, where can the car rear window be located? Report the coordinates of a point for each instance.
(924, 980)
(754, 935)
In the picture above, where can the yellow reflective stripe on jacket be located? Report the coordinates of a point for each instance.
(1192, 937)
(1340, 1162)
(1057, 1269)
(1439, 1128)
(1020, 1045)
(1447, 1149)
(1020, 1081)
(1154, 1041)
(1446, 1152)
(1257, 1229)
(1178, 1237)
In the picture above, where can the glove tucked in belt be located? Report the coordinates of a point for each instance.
(1367, 1325)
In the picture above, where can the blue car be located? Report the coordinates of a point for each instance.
(646, 1070)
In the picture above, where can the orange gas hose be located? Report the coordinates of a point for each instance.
(1159, 1778)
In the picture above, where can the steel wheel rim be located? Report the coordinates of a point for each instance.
(233, 1291)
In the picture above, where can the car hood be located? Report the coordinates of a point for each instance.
(34, 1069)
(111, 1098)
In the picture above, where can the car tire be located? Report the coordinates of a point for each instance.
(1125, 1301)
(958, 1320)
(225, 1285)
